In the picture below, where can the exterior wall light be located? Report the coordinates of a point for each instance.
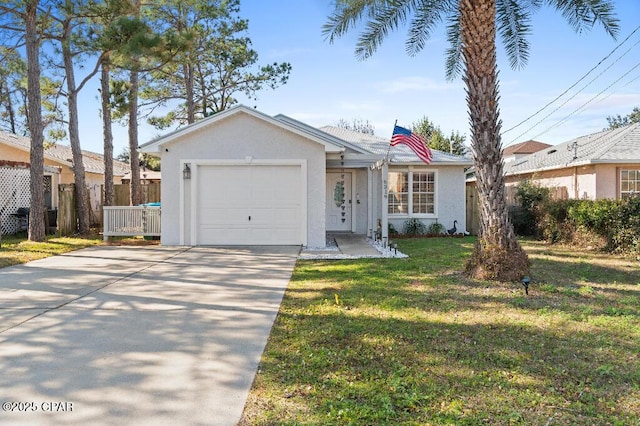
(186, 172)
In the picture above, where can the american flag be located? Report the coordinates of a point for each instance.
(413, 141)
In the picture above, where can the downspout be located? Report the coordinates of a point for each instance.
(576, 193)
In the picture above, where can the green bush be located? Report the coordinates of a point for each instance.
(435, 228)
(414, 226)
(527, 217)
(616, 221)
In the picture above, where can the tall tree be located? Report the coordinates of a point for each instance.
(21, 18)
(472, 26)
(215, 61)
(435, 138)
(70, 30)
(12, 91)
(619, 121)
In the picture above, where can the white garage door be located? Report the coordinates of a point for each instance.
(249, 205)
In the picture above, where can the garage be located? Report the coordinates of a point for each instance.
(256, 204)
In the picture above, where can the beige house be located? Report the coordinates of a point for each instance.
(597, 166)
(16, 148)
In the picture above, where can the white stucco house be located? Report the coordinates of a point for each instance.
(242, 177)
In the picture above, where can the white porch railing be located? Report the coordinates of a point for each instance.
(124, 221)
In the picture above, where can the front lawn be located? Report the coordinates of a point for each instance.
(16, 249)
(411, 341)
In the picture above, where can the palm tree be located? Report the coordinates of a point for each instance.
(471, 27)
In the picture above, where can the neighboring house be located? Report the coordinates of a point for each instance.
(243, 177)
(596, 166)
(146, 176)
(15, 193)
(601, 165)
(522, 149)
(17, 148)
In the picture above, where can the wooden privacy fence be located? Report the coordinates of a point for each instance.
(150, 193)
(128, 221)
(67, 221)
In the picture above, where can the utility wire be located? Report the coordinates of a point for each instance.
(578, 92)
(579, 109)
(575, 84)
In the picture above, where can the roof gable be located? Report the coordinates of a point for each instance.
(330, 144)
(527, 147)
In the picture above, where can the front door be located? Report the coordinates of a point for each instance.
(339, 201)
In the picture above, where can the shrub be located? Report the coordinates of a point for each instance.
(527, 217)
(435, 228)
(617, 222)
(414, 226)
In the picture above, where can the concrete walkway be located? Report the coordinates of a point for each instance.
(137, 335)
(349, 246)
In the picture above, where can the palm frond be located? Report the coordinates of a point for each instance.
(582, 15)
(513, 20)
(387, 16)
(454, 64)
(346, 15)
(428, 14)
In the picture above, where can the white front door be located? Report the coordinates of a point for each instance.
(339, 211)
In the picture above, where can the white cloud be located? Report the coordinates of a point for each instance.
(415, 84)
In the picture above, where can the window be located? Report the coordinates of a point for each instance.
(398, 193)
(420, 200)
(629, 183)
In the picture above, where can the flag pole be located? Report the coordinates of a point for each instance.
(386, 159)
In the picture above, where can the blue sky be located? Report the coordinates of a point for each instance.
(328, 83)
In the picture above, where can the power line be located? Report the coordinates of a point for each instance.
(576, 83)
(578, 92)
(583, 106)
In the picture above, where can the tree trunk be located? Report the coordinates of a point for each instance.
(5, 93)
(36, 225)
(497, 255)
(82, 206)
(107, 132)
(134, 157)
(190, 101)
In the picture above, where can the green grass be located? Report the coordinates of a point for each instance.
(411, 341)
(16, 249)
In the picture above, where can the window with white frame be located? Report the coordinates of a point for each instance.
(629, 183)
(412, 193)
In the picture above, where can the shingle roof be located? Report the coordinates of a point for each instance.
(527, 147)
(621, 145)
(399, 154)
(93, 162)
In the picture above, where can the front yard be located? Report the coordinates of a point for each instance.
(411, 341)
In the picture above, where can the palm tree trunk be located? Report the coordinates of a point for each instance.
(36, 226)
(497, 254)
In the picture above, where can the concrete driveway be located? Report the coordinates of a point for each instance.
(137, 335)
